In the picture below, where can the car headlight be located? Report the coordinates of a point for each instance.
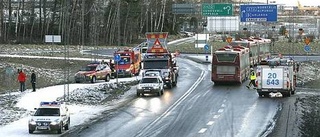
(32, 122)
(157, 87)
(55, 122)
(128, 69)
(139, 87)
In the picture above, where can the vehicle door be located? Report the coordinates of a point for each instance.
(63, 115)
(99, 71)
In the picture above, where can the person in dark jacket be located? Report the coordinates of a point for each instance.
(22, 80)
(33, 81)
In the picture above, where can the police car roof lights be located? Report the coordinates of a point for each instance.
(53, 103)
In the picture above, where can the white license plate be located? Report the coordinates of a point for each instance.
(42, 127)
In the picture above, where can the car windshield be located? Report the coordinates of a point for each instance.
(47, 112)
(88, 68)
(149, 80)
(152, 74)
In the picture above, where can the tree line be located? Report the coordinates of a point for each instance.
(85, 22)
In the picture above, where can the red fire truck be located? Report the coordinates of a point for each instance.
(230, 64)
(129, 63)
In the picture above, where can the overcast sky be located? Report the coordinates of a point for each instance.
(294, 2)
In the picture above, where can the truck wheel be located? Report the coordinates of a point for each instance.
(260, 95)
(169, 85)
(94, 79)
(289, 94)
(174, 83)
(107, 78)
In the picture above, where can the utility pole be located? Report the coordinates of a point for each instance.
(119, 22)
(83, 8)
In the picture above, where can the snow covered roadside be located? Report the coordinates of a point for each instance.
(83, 104)
(309, 71)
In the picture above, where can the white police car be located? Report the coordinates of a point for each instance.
(150, 84)
(50, 116)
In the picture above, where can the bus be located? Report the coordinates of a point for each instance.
(230, 64)
(259, 48)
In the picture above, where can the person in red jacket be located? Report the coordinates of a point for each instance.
(22, 79)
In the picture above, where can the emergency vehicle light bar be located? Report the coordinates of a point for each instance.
(54, 103)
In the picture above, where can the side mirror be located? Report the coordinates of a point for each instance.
(35, 108)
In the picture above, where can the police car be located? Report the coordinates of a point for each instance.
(149, 85)
(50, 116)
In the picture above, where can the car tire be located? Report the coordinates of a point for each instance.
(66, 127)
(138, 94)
(162, 92)
(107, 78)
(94, 79)
(30, 131)
(159, 93)
(260, 94)
(59, 131)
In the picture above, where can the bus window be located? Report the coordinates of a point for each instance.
(226, 57)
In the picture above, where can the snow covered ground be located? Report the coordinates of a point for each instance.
(82, 99)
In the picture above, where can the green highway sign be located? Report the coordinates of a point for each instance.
(220, 9)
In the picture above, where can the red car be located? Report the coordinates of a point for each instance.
(93, 72)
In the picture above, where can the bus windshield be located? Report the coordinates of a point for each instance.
(226, 57)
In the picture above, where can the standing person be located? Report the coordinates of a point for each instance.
(33, 81)
(22, 80)
(252, 79)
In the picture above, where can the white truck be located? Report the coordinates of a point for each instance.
(276, 76)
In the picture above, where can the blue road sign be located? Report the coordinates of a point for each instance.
(307, 48)
(258, 13)
(206, 47)
(117, 58)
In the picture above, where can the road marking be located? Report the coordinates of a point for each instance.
(223, 105)
(210, 123)
(202, 130)
(174, 105)
(216, 116)
(220, 110)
